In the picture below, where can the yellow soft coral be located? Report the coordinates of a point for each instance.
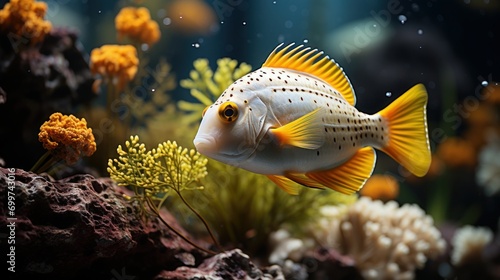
(136, 23)
(24, 18)
(67, 137)
(115, 62)
(206, 86)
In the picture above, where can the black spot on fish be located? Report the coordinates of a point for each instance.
(246, 101)
(302, 99)
(317, 153)
(289, 100)
(315, 101)
(270, 79)
(283, 89)
(326, 130)
(331, 112)
(354, 144)
(340, 147)
(334, 139)
(241, 90)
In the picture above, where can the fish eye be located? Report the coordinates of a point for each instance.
(228, 111)
(204, 111)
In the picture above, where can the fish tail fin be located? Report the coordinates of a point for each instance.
(408, 141)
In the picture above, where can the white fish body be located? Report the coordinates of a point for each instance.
(294, 120)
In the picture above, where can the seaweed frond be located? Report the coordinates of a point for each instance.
(206, 86)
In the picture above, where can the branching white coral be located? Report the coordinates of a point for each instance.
(488, 171)
(468, 244)
(385, 240)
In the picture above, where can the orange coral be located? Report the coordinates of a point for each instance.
(67, 137)
(381, 187)
(192, 16)
(136, 23)
(457, 152)
(492, 93)
(24, 18)
(116, 62)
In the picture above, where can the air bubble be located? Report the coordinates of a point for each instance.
(420, 32)
(388, 94)
(244, 23)
(484, 83)
(415, 7)
(402, 19)
(305, 41)
(167, 21)
(195, 45)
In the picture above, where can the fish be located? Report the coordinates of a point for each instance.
(294, 120)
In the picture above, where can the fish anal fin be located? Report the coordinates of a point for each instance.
(315, 63)
(302, 179)
(408, 140)
(285, 184)
(304, 132)
(349, 177)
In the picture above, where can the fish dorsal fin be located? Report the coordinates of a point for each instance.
(315, 63)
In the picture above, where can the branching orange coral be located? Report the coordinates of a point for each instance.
(24, 18)
(67, 137)
(136, 23)
(116, 62)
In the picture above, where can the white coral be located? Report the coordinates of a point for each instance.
(468, 244)
(488, 171)
(385, 240)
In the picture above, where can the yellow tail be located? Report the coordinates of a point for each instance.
(408, 139)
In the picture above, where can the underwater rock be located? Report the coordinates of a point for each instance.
(39, 80)
(228, 265)
(81, 227)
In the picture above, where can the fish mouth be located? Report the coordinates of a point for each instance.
(205, 144)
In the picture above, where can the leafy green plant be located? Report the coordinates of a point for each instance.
(206, 85)
(153, 175)
(244, 208)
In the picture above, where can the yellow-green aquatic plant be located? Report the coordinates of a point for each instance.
(152, 175)
(244, 208)
(206, 86)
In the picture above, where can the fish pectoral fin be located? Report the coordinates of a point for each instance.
(349, 177)
(285, 184)
(304, 132)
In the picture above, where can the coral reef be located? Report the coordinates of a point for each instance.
(117, 64)
(136, 24)
(384, 240)
(23, 21)
(468, 244)
(67, 137)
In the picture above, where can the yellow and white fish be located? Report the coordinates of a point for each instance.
(294, 120)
